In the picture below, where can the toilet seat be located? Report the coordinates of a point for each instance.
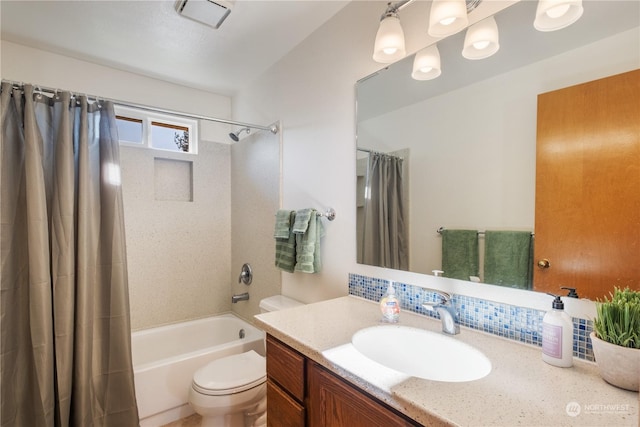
(231, 374)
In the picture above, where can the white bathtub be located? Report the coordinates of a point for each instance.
(165, 358)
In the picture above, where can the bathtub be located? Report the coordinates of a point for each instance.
(165, 358)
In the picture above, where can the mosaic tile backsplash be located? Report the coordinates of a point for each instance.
(508, 321)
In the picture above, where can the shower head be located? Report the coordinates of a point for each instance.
(236, 135)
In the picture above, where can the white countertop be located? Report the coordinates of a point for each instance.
(520, 390)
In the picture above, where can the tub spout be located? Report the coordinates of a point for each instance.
(240, 297)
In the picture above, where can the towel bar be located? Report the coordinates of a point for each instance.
(441, 229)
(330, 214)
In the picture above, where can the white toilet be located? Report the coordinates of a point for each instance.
(232, 391)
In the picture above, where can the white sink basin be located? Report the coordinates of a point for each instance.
(422, 354)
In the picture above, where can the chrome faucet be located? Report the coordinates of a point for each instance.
(446, 311)
(240, 297)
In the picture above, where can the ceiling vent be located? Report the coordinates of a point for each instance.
(207, 12)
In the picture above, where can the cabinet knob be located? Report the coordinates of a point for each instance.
(544, 263)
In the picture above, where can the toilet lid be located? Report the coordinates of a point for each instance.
(231, 374)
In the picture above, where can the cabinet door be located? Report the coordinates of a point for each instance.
(332, 402)
(282, 410)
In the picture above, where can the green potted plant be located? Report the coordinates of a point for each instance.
(616, 338)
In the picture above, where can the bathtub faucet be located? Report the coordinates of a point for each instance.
(240, 297)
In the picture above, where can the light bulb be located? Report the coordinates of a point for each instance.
(389, 44)
(552, 15)
(448, 21)
(557, 11)
(447, 17)
(426, 64)
(481, 40)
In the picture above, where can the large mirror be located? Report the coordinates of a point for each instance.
(465, 142)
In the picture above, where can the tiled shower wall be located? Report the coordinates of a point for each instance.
(508, 321)
(178, 231)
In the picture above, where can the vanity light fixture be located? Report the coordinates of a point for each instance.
(389, 45)
(481, 39)
(426, 64)
(552, 15)
(447, 17)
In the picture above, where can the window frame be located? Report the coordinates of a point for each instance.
(148, 118)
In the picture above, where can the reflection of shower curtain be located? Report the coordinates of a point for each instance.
(66, 335)
(385, 241)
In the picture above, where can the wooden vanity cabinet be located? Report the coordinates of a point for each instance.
(285, 385)
(331, 401)
(302, 393)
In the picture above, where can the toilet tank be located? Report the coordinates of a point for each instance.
(277, 302)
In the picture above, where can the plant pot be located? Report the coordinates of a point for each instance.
(619, 366)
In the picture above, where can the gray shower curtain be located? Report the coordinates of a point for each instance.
(66, 337)
(385, 240)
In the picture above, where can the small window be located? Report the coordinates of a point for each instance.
(129, 129)
(158, 131)
(169, 137)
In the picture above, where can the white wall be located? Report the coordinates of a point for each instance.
(480, 174)
(312, 92)
(255, 197)
(178, 253)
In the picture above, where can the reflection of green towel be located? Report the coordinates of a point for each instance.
(460, 253)
(508, 258)
(308, 245)
(286, 247)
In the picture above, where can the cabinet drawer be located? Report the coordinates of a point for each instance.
(285, 367)
(282, 410)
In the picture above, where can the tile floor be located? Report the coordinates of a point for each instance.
(190, 421)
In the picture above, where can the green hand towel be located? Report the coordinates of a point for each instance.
(308, 258)
(508, 258)
(460, 253)
(302, 220)
(286, 248)
(283, 224)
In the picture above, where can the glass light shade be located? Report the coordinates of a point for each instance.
(426, 64)
(481, 40)
(447, 17)
(553, 15)
(389, 45)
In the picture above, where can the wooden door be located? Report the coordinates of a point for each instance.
(587, 220)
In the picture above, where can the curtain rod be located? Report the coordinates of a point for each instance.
(480, 233)
(382, 153)
(273, 128)
(366, 150)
